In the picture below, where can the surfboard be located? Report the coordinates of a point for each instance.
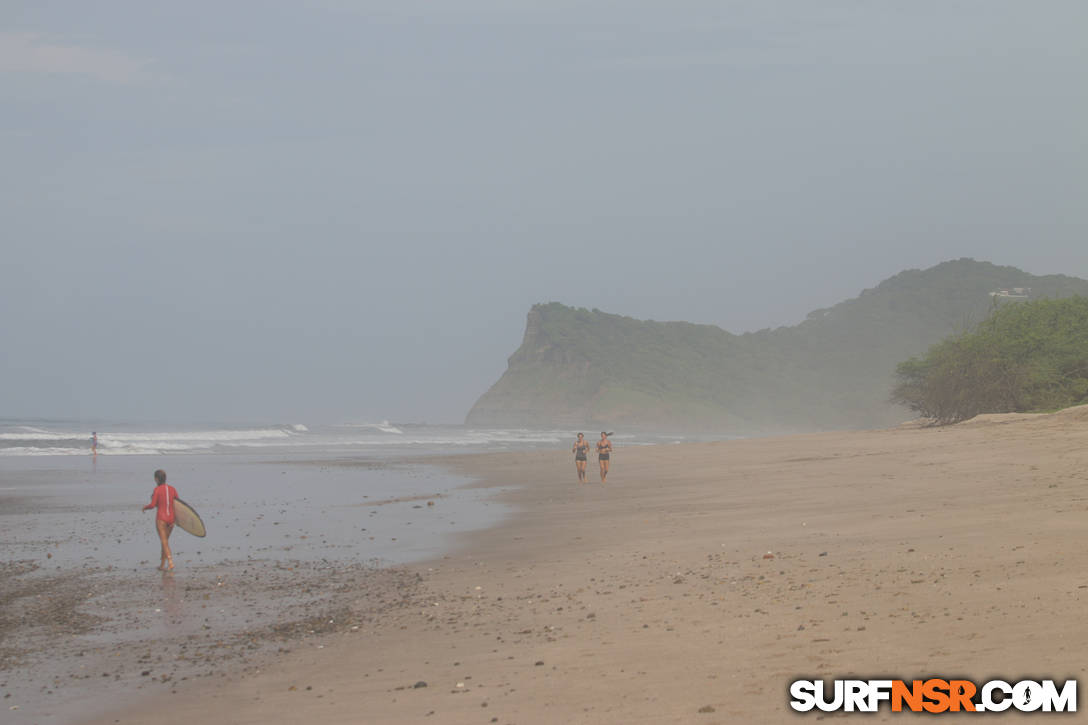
(188, 519)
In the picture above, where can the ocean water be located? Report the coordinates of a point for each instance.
(381, 440)
(384, 439)
(344, 492)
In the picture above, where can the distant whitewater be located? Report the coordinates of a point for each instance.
(381, 439)
(22, 438)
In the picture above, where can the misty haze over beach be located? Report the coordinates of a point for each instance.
(343, 212)
(342, 280)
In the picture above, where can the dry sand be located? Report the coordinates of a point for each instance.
(909, 552)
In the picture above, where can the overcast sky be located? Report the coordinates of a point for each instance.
(333, 211)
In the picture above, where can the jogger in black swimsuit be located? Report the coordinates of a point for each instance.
(580, 449)
(604, 454)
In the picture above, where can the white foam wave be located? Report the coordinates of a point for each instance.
(16, 441)
(197, 435)
(40, 442)
(385, 427)
(29, 451)
(42, 436)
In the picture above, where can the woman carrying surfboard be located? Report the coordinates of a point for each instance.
(163, 498)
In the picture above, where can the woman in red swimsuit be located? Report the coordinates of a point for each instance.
(162, 498)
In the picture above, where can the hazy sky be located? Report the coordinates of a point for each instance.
(327, 211)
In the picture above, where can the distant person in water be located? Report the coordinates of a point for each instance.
(581, 451)
(94, 442)
(162, 498)
(604, 454)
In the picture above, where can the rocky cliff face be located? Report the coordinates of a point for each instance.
(578, 367)
(546, 383)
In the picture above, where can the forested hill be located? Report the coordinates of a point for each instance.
(836, 369)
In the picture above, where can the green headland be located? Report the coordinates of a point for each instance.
(834, 370)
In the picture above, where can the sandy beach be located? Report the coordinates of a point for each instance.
(703, 578)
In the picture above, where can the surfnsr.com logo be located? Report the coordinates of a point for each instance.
(934, 695)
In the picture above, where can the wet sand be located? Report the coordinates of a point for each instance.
(703, 578)
(296, 550)
(78, 641)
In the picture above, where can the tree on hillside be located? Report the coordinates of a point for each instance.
(1026, 356)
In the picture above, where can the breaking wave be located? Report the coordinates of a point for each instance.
(385, 427)
(28, 440)
(369, 439)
